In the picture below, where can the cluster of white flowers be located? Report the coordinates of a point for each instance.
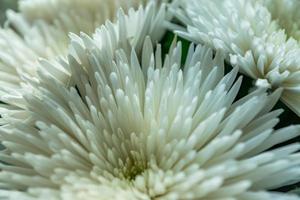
(94, 108)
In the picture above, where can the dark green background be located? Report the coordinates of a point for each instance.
(4, 4)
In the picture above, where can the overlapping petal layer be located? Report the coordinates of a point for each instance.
(259, 36)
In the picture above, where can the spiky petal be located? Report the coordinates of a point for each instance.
(260, 36)
(150, 128)
(129, 31)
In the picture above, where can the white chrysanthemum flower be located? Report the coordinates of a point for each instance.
(260, 36)
(69, 15)
(81, 189)
(41, 28)
(148, 129)
(128, 31)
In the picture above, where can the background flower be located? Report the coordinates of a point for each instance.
(258, 36)
(132, 30)
(44, 34)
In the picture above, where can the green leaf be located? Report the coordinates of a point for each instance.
(4, 5)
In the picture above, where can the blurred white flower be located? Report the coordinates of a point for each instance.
(260, 36)
(69, 15)
(136, 125)
(22, 58)
(80, 189)
(41, 28)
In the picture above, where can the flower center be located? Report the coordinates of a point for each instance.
(127, 166)
(132, 172)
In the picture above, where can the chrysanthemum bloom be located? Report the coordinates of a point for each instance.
(130, 129)
(260, 36)
(41, 28)
(20, 62)
(70, 15)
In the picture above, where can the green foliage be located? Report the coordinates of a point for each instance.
(4, 5)
(167, 42)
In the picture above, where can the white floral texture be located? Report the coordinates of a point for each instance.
(146, 130)
(129, 30)
(26, 39)
(71, 15)
(260, 36)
